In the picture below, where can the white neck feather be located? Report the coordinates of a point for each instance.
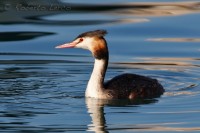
(95, 85)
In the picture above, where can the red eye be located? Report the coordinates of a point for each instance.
(81, 39)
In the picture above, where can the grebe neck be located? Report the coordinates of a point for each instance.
(95, 85)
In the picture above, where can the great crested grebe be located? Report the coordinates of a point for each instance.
(125, 86)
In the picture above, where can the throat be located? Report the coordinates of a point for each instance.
(95, 87)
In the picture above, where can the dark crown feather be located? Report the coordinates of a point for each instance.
(95, 33)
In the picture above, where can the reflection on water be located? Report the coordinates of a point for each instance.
(98, 116)
(34, 12)
(170, 63)
(18, 36)
(34, 92)
(175, 39)
(96, 110)
(42, 89)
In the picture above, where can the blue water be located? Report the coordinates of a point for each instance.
(42, 88)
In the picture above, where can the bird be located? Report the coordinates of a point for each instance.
(125, 86)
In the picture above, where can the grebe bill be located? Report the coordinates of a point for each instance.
(125, 86)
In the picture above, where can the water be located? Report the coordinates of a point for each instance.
(42, 88)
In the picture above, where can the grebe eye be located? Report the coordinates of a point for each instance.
(81, 39)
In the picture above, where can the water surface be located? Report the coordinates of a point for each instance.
(42, 88)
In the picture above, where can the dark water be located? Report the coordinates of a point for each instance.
(42, 88)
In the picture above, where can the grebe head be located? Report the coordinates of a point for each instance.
(91, 40)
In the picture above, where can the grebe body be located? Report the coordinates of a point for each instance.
(125, 86)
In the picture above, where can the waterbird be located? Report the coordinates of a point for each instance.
(125, 86)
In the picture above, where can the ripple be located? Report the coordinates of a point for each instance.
(174, 39)
(35, 92)
(35, 61)
(23, 13)
(181, 93)
(40, 54)
(19, 36)
(171, 64)
(153, 128)
(43, 91)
